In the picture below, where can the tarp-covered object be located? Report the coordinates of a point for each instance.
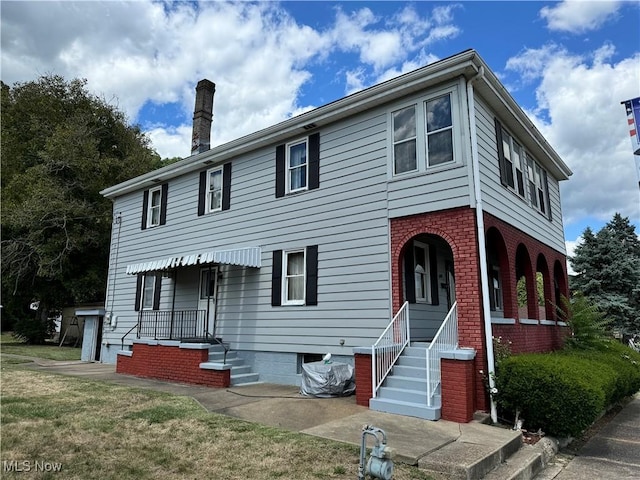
(320, 379)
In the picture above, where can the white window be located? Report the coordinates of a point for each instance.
(533, 195)
(404, 140)
(439, 131)
(424, 134)
(540, 190)
(294, 277)
(297, 166)
(514, 160)
(214, 190)
(495, 287)
(148, 291)
(155, 202)
(421, 272)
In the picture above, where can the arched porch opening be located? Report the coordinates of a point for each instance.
(498, 266)
(560, 290)
(544, 289)
(428, 283)
(525, 285)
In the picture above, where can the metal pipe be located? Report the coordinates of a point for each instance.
(482, 247)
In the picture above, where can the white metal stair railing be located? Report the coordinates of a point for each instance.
(386, 350)
(445, 339)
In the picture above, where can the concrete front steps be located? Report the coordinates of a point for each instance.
(240, 372)
(404, 391)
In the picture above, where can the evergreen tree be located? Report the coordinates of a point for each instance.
(607, 266)
(60, 147)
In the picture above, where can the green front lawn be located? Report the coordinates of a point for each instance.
(50, 351)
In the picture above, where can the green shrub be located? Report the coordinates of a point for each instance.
(589, 329)
(564, 393)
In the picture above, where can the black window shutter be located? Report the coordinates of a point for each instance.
(145, 207)
(433, 272)
(409, 275)
(163, 203)
(276, 279)
(546, 194)
(314, 161)
(501, 160)
(280, 171)
(226, 186)
(139, 281)
(156, 291)
(202, 193)
(311, 288)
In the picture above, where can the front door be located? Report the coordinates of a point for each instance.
(207, 299)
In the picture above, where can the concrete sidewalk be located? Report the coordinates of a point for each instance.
(448, 449)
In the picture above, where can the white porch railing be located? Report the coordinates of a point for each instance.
(386, 350)
(445, 339)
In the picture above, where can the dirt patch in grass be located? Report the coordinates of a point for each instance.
(122, 432)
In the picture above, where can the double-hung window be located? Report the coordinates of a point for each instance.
(439, 131)
(423, 134)
(404, 140)
(293, 278)
(540, 188)
(154, 206)
(297, 167)
(148, 291)
(214, 190)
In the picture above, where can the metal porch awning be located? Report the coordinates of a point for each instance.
(244, 257)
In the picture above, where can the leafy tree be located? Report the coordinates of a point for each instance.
(61, 145)
(589, 328)
(607, 264)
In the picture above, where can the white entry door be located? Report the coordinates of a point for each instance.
(207, 298)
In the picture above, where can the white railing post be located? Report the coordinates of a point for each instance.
(445, 339)
(386, 350)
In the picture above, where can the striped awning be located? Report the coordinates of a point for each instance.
(244, 257)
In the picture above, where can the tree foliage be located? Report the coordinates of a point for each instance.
(61, 146)
(607, 264)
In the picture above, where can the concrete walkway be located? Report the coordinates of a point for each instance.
(612, 453)
(446, 449)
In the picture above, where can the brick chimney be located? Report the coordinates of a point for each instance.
(202, 116)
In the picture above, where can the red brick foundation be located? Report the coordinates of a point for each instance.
(364, 389)
(172, 363)
(458, 401)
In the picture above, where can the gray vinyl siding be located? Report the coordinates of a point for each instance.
(346, 217)
(505, 204)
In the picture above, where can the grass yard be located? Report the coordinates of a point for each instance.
(101, 430)
(50, 351)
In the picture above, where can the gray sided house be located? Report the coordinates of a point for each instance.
(390, 228)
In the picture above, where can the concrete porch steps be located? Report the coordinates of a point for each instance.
(241, 373)
(404, 391)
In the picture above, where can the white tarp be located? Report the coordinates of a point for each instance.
(245, 257)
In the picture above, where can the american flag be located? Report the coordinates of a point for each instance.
(633, 119)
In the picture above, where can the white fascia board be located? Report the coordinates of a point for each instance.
(432, 74)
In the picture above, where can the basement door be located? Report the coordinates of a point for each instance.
(207, 298)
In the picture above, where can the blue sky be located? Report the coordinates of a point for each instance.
(568, 64)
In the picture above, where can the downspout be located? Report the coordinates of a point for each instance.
(482, 247)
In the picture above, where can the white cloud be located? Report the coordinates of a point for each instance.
(579, 113)
(571, 248)
(577, 16)
(256, 53)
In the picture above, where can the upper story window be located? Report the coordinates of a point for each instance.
(215, 190)
(298, 166)
(154, 206)
(424, 133)
(404, 140)
(521, 173)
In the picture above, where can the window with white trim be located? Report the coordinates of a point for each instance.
(421, 271)
(540, 188)
(495, 288)
(297, 166)
(214, 190)
(293, 279)
(155, 203)
(148, 291)
(424, 134)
